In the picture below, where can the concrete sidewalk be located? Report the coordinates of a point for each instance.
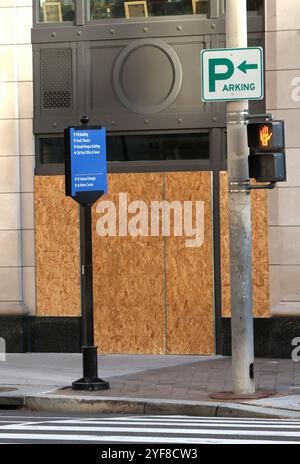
(147, 385)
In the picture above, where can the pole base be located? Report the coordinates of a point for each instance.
(90, 384)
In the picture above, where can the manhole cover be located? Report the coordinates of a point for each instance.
(7, 389)
(229, 395)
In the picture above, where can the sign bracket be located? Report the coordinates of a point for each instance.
(245, 186)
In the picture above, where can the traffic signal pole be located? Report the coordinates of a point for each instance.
(239, 218)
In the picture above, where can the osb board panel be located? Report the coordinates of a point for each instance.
(57, 249)
(144, 288)
(260, 256)
(128, 277)
(128, 272)
(189, 272)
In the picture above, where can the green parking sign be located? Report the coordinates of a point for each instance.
(232, 74)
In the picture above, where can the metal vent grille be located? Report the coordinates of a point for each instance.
(56, 78)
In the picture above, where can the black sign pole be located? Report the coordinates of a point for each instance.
(86, 266)
(90, 380)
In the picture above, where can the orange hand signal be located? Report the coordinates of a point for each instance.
(265, 135)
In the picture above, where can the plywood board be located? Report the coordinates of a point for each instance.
(189, 272)
(260, 253)
(57, 249)
(151, 295)
(128, 277)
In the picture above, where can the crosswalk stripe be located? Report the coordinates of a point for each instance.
(149, 429)
(133, 419)
(108, 438)
(196, 418)
(177, 431)
(220, 424)
(201, 420)
(131, 439)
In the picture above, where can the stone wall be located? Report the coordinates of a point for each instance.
(283, 101)
(17, 260)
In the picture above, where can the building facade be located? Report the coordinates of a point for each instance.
(135, 69)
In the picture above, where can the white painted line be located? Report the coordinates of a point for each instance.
(177, 431)
(206, 420)
(196, 419)
(131, 439)
(178, 423)
(139, 420)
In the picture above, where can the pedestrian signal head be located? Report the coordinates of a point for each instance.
(266, 136)
(267, 155)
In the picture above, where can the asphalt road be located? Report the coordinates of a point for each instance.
(31, 428)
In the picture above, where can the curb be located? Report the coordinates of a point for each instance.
(141, 406)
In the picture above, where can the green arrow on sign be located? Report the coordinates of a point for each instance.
(244, 66)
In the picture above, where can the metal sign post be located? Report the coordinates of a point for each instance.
(86, 182)
(239, 218)
(235, 75)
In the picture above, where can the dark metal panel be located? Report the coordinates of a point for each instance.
(147, 76)
(159, 166)
(80, 12)
(133, 167)
(35, 15)
(81, 75)
(123, 123)
(49, 114)
(95, 62)
(94, 93)
(137, 67)
(215, 8)
(100, 97)
(117, 29)
(49, 169)
(223, 150)
(37, 84)
(57, 77)
(144, 27)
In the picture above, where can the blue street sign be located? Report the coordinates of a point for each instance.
(87, 160)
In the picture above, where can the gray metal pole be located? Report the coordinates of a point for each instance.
(239, 218)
